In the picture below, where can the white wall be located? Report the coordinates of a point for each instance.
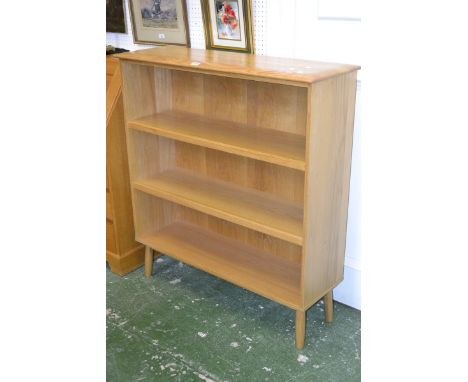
(324, 30)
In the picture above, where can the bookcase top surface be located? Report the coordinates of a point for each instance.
(278, 69)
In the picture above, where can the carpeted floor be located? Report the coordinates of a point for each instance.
(185, 325)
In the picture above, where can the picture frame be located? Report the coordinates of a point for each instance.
(115, 16)
(228, 25)
(159, 22)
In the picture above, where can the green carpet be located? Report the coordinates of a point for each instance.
(185, 325)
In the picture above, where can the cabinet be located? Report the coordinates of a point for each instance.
(123, 253)
(240, 166)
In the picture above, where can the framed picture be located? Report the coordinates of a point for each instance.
(115, 16)
(228, 24)
(159, 22)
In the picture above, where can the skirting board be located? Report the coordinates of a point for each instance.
(123, 264)
(349, 291)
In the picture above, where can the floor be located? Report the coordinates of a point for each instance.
(185, 325)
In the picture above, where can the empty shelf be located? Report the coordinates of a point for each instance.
(268, 275)
(268, 145)
(247, 207)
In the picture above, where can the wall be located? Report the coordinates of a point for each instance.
(324, 30)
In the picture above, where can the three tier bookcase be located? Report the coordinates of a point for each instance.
(240, 166)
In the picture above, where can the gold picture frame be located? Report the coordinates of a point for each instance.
(228, 25)
(159, 22)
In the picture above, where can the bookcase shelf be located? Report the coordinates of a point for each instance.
(249, 208)
(240, 166)
(271, 146)
(270, 276)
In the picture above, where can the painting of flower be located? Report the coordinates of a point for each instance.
(228, 25)
(228, 20)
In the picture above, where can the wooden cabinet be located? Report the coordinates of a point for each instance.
(240, 166)
(123, 253)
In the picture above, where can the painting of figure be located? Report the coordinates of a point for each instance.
(159, 13)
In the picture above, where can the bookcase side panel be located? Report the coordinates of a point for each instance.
(147, 154)
(138, 90)
(328, 166)
(153, 213)
(139, 101)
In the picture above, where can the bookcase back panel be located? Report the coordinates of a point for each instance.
(156, 213)
(280, 181)
(247, 236)
(139, 92)
(257, 104)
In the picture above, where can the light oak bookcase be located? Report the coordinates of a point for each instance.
(240, 166)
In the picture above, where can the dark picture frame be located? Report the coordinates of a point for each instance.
(115, 16)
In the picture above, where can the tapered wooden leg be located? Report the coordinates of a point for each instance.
(148, 261)
(328, 301)
(300, 328)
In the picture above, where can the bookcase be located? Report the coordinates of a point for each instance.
(240, 167)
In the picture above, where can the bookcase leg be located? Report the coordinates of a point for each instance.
(300, 328)
(148, 261)
(328, 301)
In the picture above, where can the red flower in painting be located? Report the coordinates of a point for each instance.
(229, 16)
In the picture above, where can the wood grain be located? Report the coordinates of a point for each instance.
(148, 262)
(113, 92)
(109, 209)
(300, 328)
(119, 185)
(156, 213)
(124, 263)
(268, 145)
(328, 304)
(284, 182)
(255, 239)
(249, 208)
(240, 65)
(110, 237)
(245, 102)
(123, 253)
(240, 166)
(328, 154)
(269, 276)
